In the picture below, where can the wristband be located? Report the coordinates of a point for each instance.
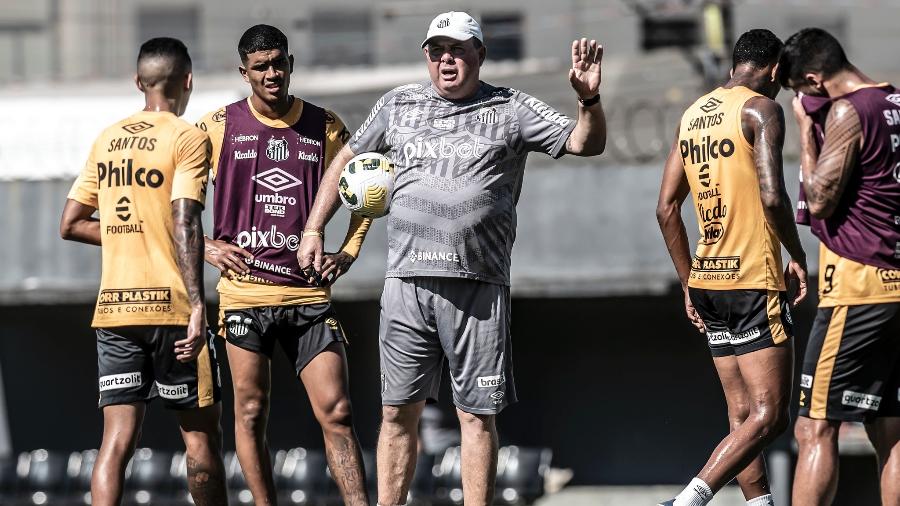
(587, 102)
(309, 233)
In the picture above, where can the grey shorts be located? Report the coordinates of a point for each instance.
(423, 320)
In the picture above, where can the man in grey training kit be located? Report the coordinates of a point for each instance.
(459, 146)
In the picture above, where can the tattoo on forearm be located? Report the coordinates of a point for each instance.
(206, 483)
(839, 155)
(189, 247)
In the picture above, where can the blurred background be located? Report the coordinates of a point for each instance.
(612, 379)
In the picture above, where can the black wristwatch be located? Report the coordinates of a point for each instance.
(587, 102)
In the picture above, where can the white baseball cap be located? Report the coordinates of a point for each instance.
(456, 25)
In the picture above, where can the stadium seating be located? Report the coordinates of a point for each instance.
(155, 477)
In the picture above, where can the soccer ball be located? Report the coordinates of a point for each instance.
(366, 184)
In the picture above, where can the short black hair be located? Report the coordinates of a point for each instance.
(811, 50)
(758, 47)
(261, 38)
(166, 47)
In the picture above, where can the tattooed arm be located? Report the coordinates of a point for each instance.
(189, 247)
(672, 192)
(762, 121)
(825, 175)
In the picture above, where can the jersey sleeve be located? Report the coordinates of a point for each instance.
(214, 126)
(356, 234)
(336, 135)
(543, 128)
(86, 186)
(192, 151)
(371, 134)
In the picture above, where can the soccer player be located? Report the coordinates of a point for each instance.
(269, 153)
(727, 155)
(147, 176)
(459, 146)
(850, 163)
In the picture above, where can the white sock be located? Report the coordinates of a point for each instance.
(697, 493)
(763, 500)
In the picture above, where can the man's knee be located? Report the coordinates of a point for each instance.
(810, 432)
(336, 415)
(475, 423)
(251, 409)
(395, 417)
(771, 418)
(738, 414)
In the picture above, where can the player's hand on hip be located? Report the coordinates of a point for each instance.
(227, 257)
(584, 76)
(336, 265)
(310, 257)
(190, 347)
(796, 273)
(692, 313)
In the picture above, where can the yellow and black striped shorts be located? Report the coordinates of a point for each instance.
(851, 369)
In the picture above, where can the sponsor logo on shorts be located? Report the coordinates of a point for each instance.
(237, 325)
(859, 400)
(718, 338)
(746, 336)
(172, 391)
(332, 323)
(787, 314)
(806, 381)
(490, 381)
(117, 381)
(890, 279)
(802, 398)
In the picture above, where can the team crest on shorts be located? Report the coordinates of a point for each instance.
(238, 326)
(277, 149)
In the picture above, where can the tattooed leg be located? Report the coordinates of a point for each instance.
(203, 443)
(325, 378)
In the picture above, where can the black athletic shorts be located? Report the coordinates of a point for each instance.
(137, 363)
(851, 370)
(742, 321)
(303, 330)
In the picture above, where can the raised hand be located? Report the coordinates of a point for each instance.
(584, 76)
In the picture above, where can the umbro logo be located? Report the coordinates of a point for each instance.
(277, 179)
(711, 105)
(134, 128)
(893, 98)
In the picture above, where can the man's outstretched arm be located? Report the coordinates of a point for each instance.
(588, 138)
(311, 249)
